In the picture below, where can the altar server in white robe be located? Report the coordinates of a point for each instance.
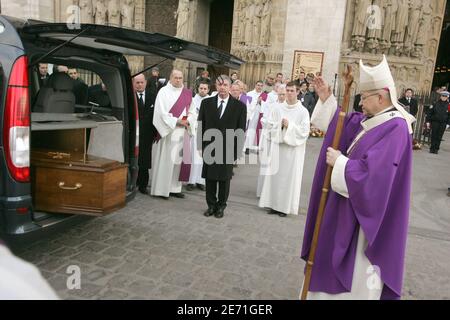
(195, 178)
(173, 118)
(289, 132)
(264, 146)
(253, 115)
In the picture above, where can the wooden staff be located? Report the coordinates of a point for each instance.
(348, 79)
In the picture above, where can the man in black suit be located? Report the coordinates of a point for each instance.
(43, 74)
(147, 132)
(410, 102)
(80, 89)
(225, 116)
(155, 82)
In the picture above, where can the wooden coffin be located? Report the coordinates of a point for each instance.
(77, 183)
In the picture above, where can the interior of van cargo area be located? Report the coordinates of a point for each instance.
(78, 148)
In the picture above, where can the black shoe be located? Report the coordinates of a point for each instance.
(271, 211)
(201, 187)
(283, 215)
(219, 213)
(247, 151)
(178, 195)
(143, 191)
(190, 187)
(210, 212)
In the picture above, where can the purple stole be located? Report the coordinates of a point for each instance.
(183, 103)
(264, 97)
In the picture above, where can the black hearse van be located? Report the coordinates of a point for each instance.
(98, 49)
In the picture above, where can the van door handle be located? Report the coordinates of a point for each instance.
(62, 184)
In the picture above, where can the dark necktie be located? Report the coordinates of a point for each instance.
(220, 109)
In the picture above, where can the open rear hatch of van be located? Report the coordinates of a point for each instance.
(130, 42)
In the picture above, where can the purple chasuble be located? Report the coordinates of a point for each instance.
(378, 177)
(183, 103)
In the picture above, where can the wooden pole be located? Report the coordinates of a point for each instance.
(348, 80)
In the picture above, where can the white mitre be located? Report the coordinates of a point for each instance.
(380, 77)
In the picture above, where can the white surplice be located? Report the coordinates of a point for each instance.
(264, 143)
(283, 176)
(167, 156)
(197, 161)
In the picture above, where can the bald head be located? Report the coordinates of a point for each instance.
(176, 78)
(139, 83)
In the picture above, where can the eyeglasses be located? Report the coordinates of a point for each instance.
(370, 95)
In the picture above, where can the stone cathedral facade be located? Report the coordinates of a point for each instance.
(267, 33)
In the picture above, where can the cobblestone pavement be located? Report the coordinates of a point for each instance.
(158, 249)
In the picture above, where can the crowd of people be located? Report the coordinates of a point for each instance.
(274, 99)
(175, 129)
(198, 139)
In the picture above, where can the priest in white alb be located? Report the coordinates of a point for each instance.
(175, 121)
(289, 131)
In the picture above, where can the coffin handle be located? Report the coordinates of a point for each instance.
(62, 186)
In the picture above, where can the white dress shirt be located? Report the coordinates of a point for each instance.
(225, 102)
(143, 95)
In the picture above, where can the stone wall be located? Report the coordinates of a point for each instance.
(160, 18)
(35, 9)
(314, 26)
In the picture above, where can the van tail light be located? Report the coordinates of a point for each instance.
(136, 112)
(16, 129)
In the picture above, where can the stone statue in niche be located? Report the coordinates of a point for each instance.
(86, 11)
(413, 26)
(100, 11)
(182, 15)
(375, 25)
(127, 13)
(424, 27)
(257, 22)
(390, 13)
(249, 16)
(401, 22)
(265, 23)
(360, 24)
(114, 12)
(241, 22)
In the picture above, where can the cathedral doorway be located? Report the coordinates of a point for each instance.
(442, 71)
(220, 30)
